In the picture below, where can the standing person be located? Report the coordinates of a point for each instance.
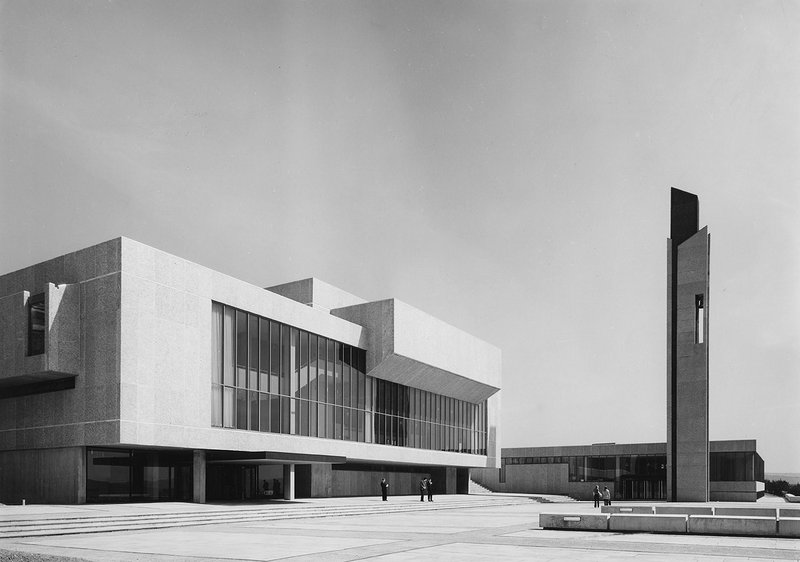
(430, 490)
(384, 488)
(606, 496)
(422, 489)
(596, 496)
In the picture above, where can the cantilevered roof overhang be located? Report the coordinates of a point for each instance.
(409, 347)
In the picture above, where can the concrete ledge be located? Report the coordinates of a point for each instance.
(582, 522)
(626, 509)
(747, 511)
(687, 510)
(789, 527)
(789, 512)
(732, 525)
(647, 523)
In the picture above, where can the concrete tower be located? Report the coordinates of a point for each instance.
(687, 351)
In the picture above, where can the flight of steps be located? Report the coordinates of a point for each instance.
(71, 525)
(475, 488)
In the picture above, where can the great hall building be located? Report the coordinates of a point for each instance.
(129, 374)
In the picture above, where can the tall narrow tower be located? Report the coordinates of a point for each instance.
(687, 351)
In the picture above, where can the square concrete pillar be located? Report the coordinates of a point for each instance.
(199, 477)
(288, 481)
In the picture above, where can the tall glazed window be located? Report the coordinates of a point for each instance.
(270, 377)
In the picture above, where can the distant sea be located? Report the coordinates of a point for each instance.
(790, 477)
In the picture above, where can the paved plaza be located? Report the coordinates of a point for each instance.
(404, 529)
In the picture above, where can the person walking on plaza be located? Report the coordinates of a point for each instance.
(384, 488)
(422, 489)
(606, 496)
(596, 496)
(430, 490)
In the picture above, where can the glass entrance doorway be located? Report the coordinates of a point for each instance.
(244, 482)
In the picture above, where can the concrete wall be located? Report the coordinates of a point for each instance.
(410, 347)
(82, 307)
(687, 387)
(316, 293)
(537, 479)
(735, 491)
(43, 476)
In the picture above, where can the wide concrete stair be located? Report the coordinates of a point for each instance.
(20, 526)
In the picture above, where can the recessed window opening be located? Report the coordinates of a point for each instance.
(36, 324)
(699, 319)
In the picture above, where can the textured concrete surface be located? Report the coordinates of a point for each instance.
(647, 509)
(647, 523)
(684, 510)
(481, 533)
(789, 527)
(732, 525)
(582, 521)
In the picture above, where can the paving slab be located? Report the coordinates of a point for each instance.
(492, 532)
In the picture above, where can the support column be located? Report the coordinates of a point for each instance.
(288, 481)
(81, 482)
(199, 477)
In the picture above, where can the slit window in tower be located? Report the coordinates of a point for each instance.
(699, 319)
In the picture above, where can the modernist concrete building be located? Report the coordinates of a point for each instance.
(130, 374)
(636, 471)
(687, 351)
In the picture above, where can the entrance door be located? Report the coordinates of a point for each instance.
(244, 482)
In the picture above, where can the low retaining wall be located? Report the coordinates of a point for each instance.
(747, 511)
(789, 527)
(582, 522)
(626, 509)
(647, 523)
(732, 525)
(698, 520)
(689, 510)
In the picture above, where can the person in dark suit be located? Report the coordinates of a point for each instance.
(430, 490)
(384, 488)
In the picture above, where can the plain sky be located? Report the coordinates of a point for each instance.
(502, 165)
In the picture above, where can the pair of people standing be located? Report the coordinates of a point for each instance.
(426, 486)
(605, 494)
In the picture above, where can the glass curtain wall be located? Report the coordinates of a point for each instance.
(271, 377)
(125, 475)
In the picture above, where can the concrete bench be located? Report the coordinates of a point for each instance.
(789, 527)
(647, 523)
(626, 509)
(732, 525)
(789, 512)
(578, 522)
(686, 510)
(747, 511)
